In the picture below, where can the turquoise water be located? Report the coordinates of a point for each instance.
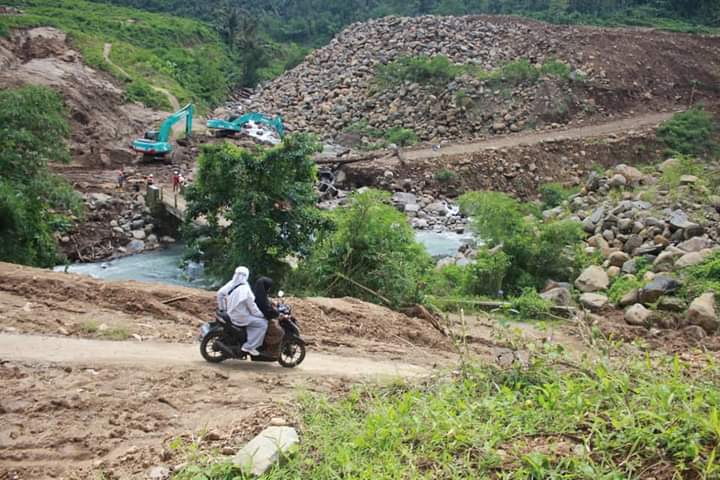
(163, 266)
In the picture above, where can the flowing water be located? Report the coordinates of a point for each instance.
(164, 266)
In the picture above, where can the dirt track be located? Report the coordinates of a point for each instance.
(509, 141)
(35, 348)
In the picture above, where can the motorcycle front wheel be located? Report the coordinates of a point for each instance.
(292, 353)
(210, 352)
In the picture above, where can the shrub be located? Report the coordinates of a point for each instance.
(682, 165)
(371, 254)
(622, 286)
(556, 68)
(537, 251)
(486, 275)
(141, 91)
(422, 69)
(529, 304)
(445, 176)
(689, 133)
(553, 194)
(703, 277)
(402, 137)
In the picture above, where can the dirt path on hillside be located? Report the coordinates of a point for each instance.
(107, 48)
(590, 131)
(61, 350)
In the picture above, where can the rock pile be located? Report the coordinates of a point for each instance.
(428, 213)
(336, 85)
(645, 239)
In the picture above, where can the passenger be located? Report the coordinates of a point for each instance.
(237, 300)
(261, 289)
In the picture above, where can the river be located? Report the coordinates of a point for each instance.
(163, 266)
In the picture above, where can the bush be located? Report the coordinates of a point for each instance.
(553, 194)
(402, 137)
(486, 275)
(682, 165)
(556, 68)
(530, 305)
(622, 286)
(445, 176)
(537, 251)
(704, 277)
(422, 69)
(689, 133)
(371, 254)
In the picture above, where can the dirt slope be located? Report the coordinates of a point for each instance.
(102, 123)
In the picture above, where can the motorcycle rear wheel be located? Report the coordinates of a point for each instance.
(208, 350)
(292, 353)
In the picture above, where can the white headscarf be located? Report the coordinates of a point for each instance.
(239, 278)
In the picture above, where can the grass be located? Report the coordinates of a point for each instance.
(622, 286)
(445, 176)
(554, 194)
(116, 333)
(702, 278)
(182, 55)
(439, 70)
(89, 326)
(690, 133)
(634, 418)
(402, 137)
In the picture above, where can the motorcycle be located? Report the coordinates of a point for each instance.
(221, 340)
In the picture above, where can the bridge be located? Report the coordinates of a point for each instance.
(173, 203)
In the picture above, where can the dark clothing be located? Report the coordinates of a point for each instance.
(260, 289)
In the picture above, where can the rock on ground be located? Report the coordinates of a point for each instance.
(637, 315)
(592, 279)
(263, 451)
(593, 301)
(702, 313)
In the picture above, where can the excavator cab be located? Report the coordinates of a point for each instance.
(155, 144)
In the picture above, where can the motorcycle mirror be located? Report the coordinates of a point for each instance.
(281, 294)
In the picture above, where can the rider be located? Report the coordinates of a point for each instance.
(261, 289)
(238, 301)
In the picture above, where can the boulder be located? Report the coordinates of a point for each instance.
(631, 174)
(637, 315)
(558, 296)
(135, 246)
(593, 301)
(158, 473)
(139, 234)
(694, 332)
(695, 244)
(672, 304)
(617, 181)
(618, 259)
(99, 199)
(403, 198)
(692, 258)
(666, 261)
(661, 285)
(702, 313)
(633, 296)
(592, 279)
(263, 451)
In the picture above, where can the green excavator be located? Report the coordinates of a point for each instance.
(232, 125)
(156, 145)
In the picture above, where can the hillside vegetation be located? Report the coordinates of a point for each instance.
(184, 56)
(315, 22)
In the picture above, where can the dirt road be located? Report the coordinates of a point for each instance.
(60, 350)
(590, 131)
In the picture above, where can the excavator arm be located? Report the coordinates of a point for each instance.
(157, 143)
(236, 124)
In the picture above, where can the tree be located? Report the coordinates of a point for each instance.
(259, 206)
(33, 202)
(371, 254)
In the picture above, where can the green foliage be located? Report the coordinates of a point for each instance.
(399, 136)
(555, 193)
(259, 206)
(183, 55)
(141, 91)
(512, 73)
(621, 286)
(445, 176)
(372, 249)
(436, 70)
(602, 420)
(689, 133)
(530, 305)
(33, 132)
(537, 251)
(403, 137)
(486, 275)
(681, 165)
(703, 277)
(556, 68)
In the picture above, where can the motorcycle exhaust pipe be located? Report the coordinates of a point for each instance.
(226, 350)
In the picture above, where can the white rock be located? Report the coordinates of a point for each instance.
(637, 315)
(593, 301)
(702, 313)
(266, 449)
